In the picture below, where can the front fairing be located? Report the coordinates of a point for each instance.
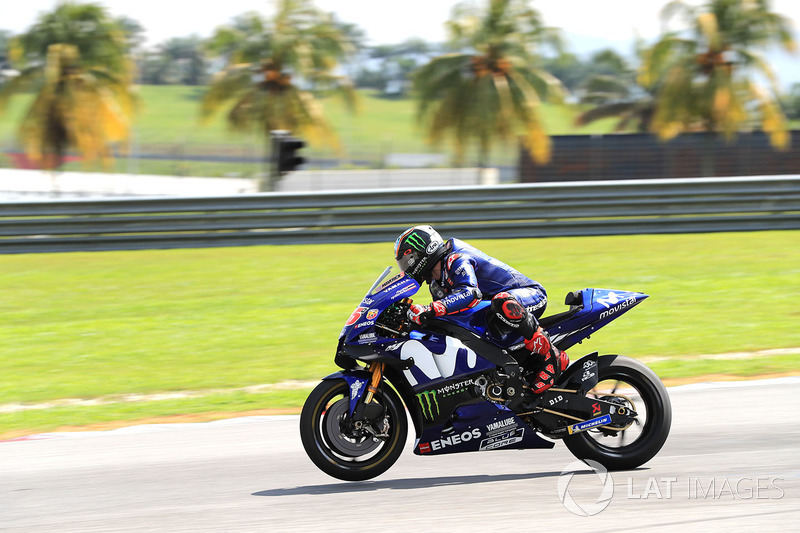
(390, 287)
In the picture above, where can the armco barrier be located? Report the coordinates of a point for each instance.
(530, 210)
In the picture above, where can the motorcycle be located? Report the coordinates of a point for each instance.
(468, 390)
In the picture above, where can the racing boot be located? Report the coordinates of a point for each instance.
(507, 315)
(553, 361)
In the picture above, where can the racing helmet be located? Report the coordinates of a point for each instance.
(417, 250)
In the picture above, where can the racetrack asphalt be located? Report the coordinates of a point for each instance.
(732, 463)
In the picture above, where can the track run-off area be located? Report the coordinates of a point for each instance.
(297, 385)
(731, 463)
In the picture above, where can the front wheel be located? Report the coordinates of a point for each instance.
(633, 385)
(335, 448)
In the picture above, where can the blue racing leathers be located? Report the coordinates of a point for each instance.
(469, 276)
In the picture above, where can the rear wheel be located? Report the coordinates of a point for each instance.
(342, 451)
(631, 384)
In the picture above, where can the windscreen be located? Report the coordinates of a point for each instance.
(390, 275)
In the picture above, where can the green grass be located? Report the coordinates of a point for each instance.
(169, 115)
(678, 368)
(84, 325)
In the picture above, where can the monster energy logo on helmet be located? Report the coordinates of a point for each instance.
(415, 241)
(429, 404)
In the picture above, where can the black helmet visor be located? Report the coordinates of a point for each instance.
(408, 260)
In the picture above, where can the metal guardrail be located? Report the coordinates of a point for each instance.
(531, 210)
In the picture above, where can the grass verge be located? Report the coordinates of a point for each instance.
(87, 325)
(169, 116)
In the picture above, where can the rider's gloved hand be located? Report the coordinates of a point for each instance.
(421, 314)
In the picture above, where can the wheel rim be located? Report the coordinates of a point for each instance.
(622, 393)
(343, 449)
(646, 403)
(333, 421)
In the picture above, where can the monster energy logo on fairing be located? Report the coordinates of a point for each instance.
(416, 241)
(430, 406)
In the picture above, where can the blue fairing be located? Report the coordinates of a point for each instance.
(360, 327)
(600, 306)
(473, 319)
(357, 382)
(439, 385)
(481, 426)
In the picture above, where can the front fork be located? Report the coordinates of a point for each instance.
(367, 409)
(377, 375)
(363, 384)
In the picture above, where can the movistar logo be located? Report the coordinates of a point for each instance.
(415, 241)
(429, 404)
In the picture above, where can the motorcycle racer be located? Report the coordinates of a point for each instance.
(459, 276)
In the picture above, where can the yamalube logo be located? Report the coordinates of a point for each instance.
(587, 506)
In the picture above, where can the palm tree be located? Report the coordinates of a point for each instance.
(74, 58)
(617, 94)
(271, 67)
(489, 90)
(791, 102)
(186, 60)
(706, 77)
(614, 96)
(5, 37)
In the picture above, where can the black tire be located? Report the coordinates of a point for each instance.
(654, 431)
(335, 454)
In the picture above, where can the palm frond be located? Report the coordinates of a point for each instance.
(226, 86)
(22, 83)
(603, 88)
(603, 111)
(773, 121)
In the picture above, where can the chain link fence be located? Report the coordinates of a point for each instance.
(575, 158)
(643, 156)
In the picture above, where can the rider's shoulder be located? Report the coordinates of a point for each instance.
(457, 252)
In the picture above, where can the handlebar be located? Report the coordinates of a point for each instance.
(394, 318)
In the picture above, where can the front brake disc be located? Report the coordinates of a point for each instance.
(348, 445)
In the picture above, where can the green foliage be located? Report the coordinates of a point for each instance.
(5, 37)
(705, 81)
(100, 41)
(791, 102)
(573, 71)
(613, 92)
(74, 59)
(167, 115)
(491, 92)
(393, 66)
(177, 61)
(299, 43)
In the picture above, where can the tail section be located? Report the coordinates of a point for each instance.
(590, 310)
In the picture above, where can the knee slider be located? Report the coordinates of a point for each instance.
(507, 314)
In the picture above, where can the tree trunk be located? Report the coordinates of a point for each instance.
(268, 180)
(707, 170)
(483, 160)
